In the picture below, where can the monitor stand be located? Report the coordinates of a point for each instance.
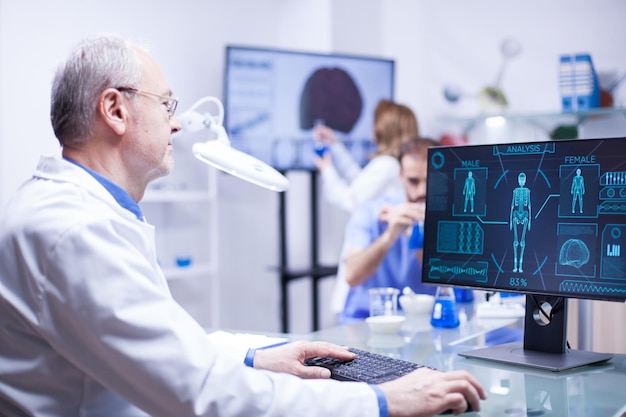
(545, 341)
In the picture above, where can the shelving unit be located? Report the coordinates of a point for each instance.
(545, 121)
(183, 209)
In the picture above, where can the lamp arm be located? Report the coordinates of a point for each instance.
(193, 120)
(218, 152)
(219, 118)
(220, 132)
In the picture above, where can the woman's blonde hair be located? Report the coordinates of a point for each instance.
(393, 125)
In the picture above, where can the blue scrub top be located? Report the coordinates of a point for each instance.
(399, 269)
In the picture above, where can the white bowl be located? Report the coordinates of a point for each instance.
(385, 324)
(416, 304)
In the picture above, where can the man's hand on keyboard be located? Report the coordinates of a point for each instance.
(426, 392)
(290, 358)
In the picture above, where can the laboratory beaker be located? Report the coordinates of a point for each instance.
(464, 295)
(383, 301)
(445, 313)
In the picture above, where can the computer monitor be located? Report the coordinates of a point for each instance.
(273, 99)
(545, 219)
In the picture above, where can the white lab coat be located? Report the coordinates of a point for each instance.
(347, 185)
(88, 326)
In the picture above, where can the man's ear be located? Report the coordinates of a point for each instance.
(113, 110)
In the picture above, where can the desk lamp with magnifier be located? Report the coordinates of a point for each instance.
(218, 152)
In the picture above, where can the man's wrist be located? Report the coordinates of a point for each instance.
(382, 401)
(387, 239)
(249, 359)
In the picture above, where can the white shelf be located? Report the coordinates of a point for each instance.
(547, 121)
(571, 116)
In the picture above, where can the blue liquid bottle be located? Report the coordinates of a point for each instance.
(445, 313)
(463, 295)
(416, 241)
(319, 148)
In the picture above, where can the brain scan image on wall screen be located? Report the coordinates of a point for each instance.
(274, 98)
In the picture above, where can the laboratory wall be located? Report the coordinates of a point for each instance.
(434, 43)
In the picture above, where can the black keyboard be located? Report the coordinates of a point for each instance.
(369, 367)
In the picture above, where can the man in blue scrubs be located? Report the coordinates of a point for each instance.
(376, 250)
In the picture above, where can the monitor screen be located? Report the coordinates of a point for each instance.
(274, 98)
(543, 218)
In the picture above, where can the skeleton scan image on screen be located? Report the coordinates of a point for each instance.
(546, 219)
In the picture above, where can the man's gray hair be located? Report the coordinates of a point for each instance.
(94, 65)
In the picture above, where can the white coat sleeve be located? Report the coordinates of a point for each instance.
(344, 162)
(372, 182)
(104, 311)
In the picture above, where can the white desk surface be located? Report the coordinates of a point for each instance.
(514, 391)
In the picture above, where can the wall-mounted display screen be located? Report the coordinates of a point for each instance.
(274, 98)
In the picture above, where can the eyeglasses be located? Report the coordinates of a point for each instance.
(170, 103)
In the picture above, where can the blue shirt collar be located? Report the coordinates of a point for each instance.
(118, 193)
